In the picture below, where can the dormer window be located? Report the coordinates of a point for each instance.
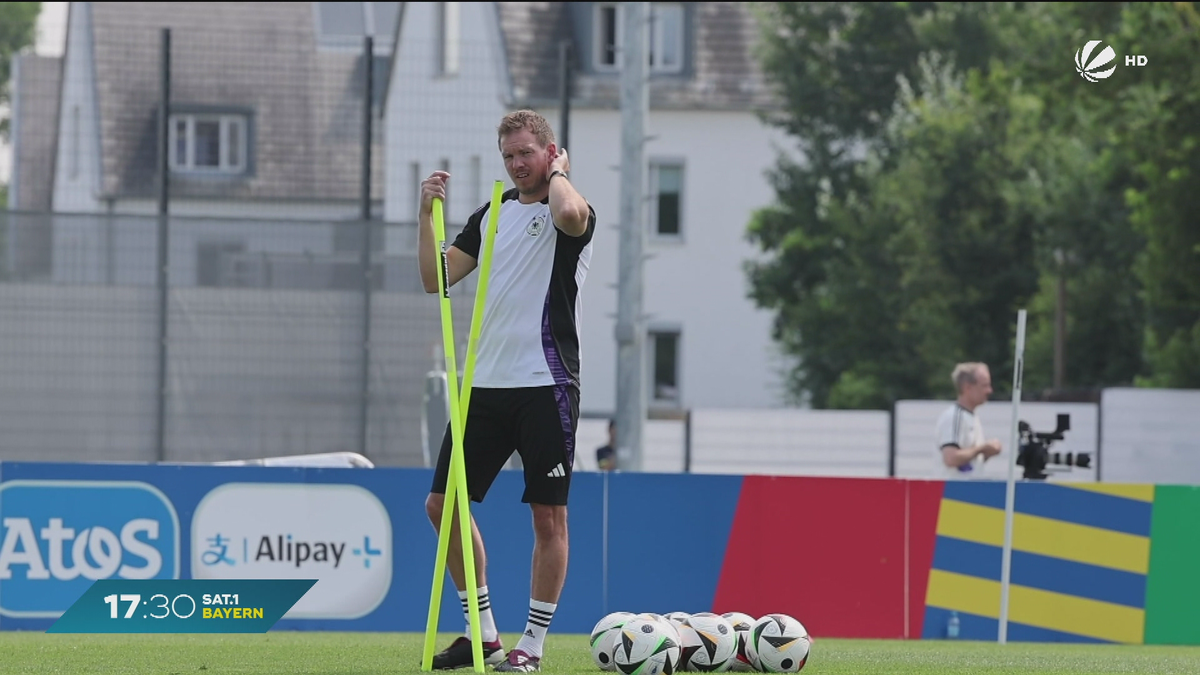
(208, 143)
(666, 36)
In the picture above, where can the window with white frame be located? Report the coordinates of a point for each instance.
(207, 143)
(666, 36)
(664, 367)
(666, 212)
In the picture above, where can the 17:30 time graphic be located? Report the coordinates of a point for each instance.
(182, 606)
(168, 606)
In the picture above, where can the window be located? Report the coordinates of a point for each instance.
(344, 24)
(667, 190)
(448, 38)
(666, 36)
(207, 143)
(664, 367)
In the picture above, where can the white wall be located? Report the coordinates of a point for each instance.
(727, 355)
(431, 118)
(1151, 435)
(77, 167)
(777, 442)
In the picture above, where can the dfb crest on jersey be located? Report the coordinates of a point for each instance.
(536, 226)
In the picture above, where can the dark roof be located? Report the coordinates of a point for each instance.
(35, 140)
(306, 103)
(725, 74)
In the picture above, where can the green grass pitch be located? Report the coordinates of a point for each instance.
(318, 653)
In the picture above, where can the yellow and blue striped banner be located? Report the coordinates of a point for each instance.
(1081, 554)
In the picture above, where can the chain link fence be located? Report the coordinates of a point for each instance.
(256, 302)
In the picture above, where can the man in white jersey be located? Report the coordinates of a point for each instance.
(525, 395)
(959, 434)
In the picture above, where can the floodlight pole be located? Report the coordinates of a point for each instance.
(629, 333)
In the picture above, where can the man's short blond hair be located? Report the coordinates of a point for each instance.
(966, 373)
(526, 119)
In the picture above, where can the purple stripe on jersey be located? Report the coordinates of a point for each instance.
(563, 399)
(558, 370)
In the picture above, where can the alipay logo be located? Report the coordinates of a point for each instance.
(57, 537)
(1090, 68)
(338, 534)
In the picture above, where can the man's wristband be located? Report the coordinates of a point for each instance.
(558, 172)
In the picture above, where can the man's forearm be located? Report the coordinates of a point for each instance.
(965, 455)
(567, 206)
(427, 252)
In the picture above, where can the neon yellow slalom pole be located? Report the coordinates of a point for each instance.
(456, 484)
(485, 264)
(452, 486)
(485, 268)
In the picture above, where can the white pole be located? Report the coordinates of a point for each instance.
(629, 333)
(1010, 495)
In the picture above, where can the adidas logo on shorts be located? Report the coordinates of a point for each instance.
(557, 472)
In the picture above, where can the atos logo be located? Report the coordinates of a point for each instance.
(57, 537)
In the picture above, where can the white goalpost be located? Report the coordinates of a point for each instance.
(1011, 488)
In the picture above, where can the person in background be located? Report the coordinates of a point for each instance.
(961, 448)
(606, 455)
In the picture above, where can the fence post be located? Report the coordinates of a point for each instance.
(564, 93)
(163, 256)
(892, 441)
(687, 440)
(365, 260)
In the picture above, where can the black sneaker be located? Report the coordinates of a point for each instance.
(458, 654)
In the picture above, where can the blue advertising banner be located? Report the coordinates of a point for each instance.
(363, 534)
(60, 536)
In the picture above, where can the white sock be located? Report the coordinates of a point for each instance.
(540, 615)
(487, 624)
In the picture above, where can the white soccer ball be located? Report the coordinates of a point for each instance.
(651, 616)
(603, 638)
(672, 629)
(741, 625)
(777, 643)
(678, 617)
(668, 625)
(646, 647)
(708, 644)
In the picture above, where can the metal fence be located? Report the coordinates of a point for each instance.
(263, 351)
(218, 282)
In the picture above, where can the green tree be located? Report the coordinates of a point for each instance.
(17, 22)
(1160, 119)
(836, 67)
(930, 206)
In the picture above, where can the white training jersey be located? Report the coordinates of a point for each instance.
(531, 316)
(960, 427)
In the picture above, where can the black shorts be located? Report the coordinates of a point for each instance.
(538, 422)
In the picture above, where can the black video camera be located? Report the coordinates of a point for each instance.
(1035, 453)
